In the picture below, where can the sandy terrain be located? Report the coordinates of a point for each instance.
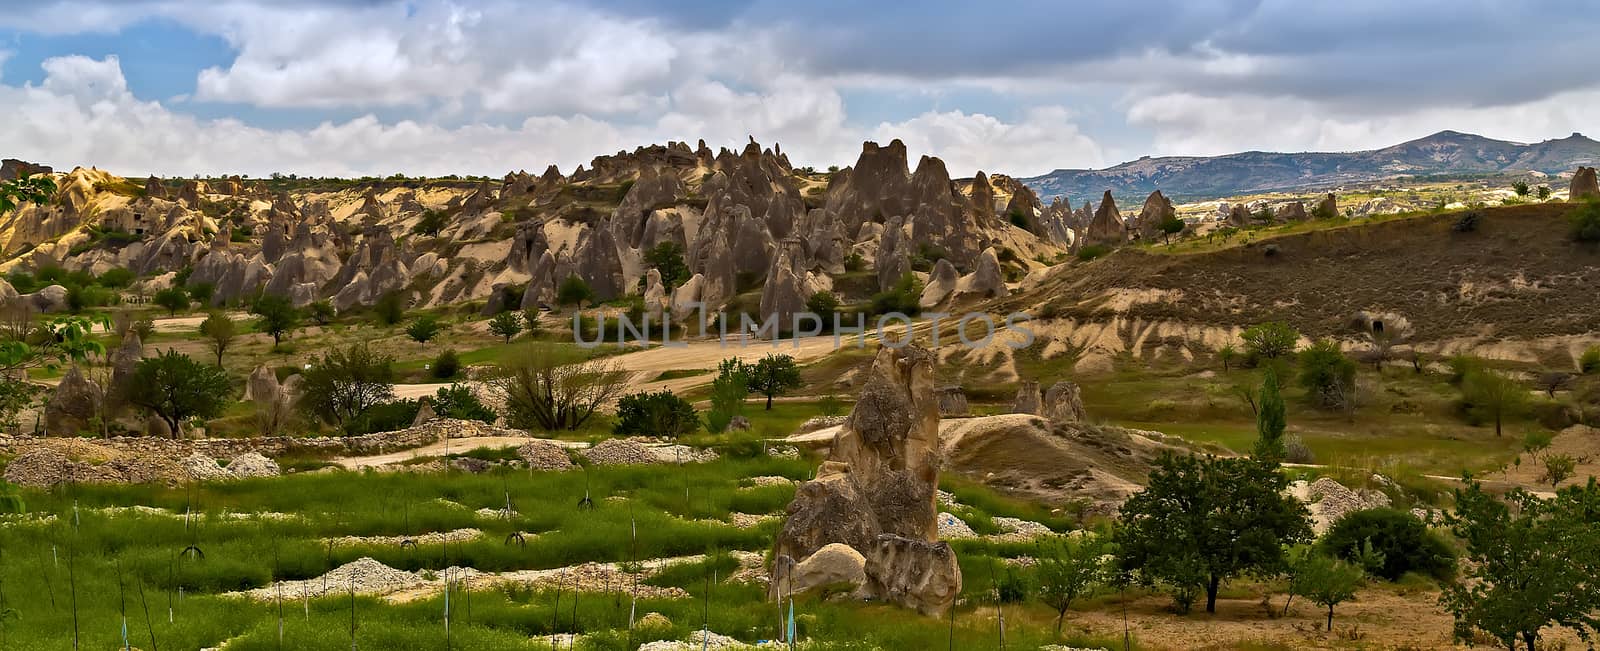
(443, 447)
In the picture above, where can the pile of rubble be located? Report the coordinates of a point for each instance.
(253, 464)
(1329, 501)
(697, 641)
(954, 528)
(617, 452)
(683, 454)
(430, 538)
(544, 455)
(362, 576)
(1018, 530)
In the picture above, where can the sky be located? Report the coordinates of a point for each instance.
(432, 87)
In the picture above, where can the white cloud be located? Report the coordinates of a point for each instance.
(84, 114)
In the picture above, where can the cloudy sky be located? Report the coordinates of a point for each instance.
(345, 87)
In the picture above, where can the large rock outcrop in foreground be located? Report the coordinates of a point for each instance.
(875, 495)
(1585, 185)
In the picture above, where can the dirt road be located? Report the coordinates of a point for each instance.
(443, 447)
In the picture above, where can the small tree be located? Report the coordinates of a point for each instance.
(1585, 221)
(431, 222)
(202, 292)
(1553, 381)
(1327, 375)
(277, 316)
(1269, 341)
(728, 390)
(1204, 520)
(1169, 226)
(1520, 187)
(773, 376)
(459, 402)
(1491, 396)
(1530, 564)
(667, 258)
(1589, 361)
(219, 330)
(574, 291)
(1325, 581)
(1070, 568)
(655, 414)
(1558, 468)
(506, 324)
(823, 304)
(446, 364)
(1544, 192)
(1404, 543)
(345, 383)
(1270, 421)
(173, 298)
(1227, 355)
(322, 312)
(423, 329)
(551, 387)
(177, 388)
(390, 308)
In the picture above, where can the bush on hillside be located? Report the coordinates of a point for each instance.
(1404, 541)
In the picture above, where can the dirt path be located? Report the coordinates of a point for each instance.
(443, 447)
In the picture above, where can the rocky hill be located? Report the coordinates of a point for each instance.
(741, 220)
(1186, 178)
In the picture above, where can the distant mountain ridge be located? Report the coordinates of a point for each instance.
(1191, 178)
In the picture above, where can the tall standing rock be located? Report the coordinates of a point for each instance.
(1106, 227)
(1584, 185)
(875, 493)
(1028, 399)
(1157, 208)
(1327, 208)
(1063, 403)
(74, 406)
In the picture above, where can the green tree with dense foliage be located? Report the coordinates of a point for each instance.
(574, 291)
(660, 413)
(824, 304)
(458, 401)
(1328, 376)
(1404, 542)
(1490, 396)
(423, 329)
(1070, 568)
(431, 222)
(1530, 563)
(219, 331)
(1269, 341)
(322, 312)
(728, 391)
(1169, 226)
(772, 376)
(390, 308)
(176, 388)
(1204, 520)
(667, 258)
(173, 298)
(506, 325)
(201, 292)
(344, 383)
(34, 189)
(277, 316)
(1323, 580)
(905, 297)
(1270, 421)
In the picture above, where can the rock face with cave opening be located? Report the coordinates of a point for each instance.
(875, 493)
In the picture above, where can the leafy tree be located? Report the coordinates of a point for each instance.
(322, 312)
(116, 278)
(277, 316)
(431, 223)
(1227, 355)
(1204, 520)
(1530, 563)
(459, 402)
(530, 317)
(1327, 375)
(905, 297)
(173, 298)
(384, 417)
(1169, 226)
(667, 258)
(177, 388)
(553, 387)
(1488, 395)
(390, 308)
(1520, 187)
(772, 376)
(1544, 192)
(1589, 362)
(1270, 421)
(344, 383)
(423, 329)
(1271, 341)
(1585, 221)
(574, 291)
(1070, 568)
(446, 365)
(1404, 542)
(655, 414)
(506, 324)
(727, 394)
(219, 331)
(824, 305)
(1324, 581)
(35, 189)
(202, 292)
(1558, 468)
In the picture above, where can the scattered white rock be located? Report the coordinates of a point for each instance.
(953, 528)
(252, 464)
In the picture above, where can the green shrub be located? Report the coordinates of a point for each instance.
(905, 297)
(1270, 340)
(574, 291)
(1093, 251)
(390, 308)
(1589, 362)
(1328, 377)
(458, 401)
(727, 395)
(1585, 221)
(655, 414)
(1463, 365)
(385, 417)
(446, 365)
(1404, 541)
(116, 278)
